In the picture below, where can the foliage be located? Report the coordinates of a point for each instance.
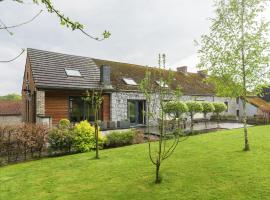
(22, 142)
(219, 107)
(11, 97)
(194, 107)
(205, 167)
(94, 100)
(84, 137)
(175, 108)
(156, 89)
(120, 138)
(208, 107)
(236, 52)
(61, 138)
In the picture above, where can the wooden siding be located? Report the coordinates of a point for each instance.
(106, 108)
(28, 107)
(56, 104)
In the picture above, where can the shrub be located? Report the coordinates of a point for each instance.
(61, 138)
(219, 108)
(175, 108)
(120, 138)
(194, 107)
(208, 107)
(22, 142)
(84, 137)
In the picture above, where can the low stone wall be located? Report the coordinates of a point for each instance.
(10, 119)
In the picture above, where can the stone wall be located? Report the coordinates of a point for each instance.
(10, 119)
(119, 106)
(40, 102)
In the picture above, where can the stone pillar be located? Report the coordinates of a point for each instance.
(40, 103)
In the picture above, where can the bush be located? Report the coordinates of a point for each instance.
(175, 108)
(208, 107)
(194, 107)
(219, 108)
(22, 142)
(120, 138)
(84, 137)
(61, 138)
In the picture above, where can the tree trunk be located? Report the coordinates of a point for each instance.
(96, 137)
(246, 145)
(157, 173)
(243, 59)
(205, 123)
(191, 125)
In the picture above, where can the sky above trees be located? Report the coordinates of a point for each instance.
(140, 30)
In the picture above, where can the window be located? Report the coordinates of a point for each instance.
(129, 81)
(162, 84)
(227, 105)
(237, 100)
(73, 72)
(80, 110)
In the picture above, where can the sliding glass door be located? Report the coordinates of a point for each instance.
(136, 110)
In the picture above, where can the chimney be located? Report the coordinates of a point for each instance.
(182, 69)
(202, 73)
(105, 76)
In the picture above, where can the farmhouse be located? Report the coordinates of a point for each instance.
(54, 83)
(10, 112)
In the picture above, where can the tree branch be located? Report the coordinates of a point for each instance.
(6, 61)
(67, 22)
(23, 23)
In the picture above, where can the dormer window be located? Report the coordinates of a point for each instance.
(129, 81)
(162, 84)
(73, 72)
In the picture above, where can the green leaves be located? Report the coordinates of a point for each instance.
(236, 52)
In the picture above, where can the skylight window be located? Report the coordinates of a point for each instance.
(162, 84)
(129, 81)
(73, 72)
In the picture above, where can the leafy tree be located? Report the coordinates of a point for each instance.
(156, 88)
(193, 108)
(94, 100)
(208, 107)
(219, 108)
(236, 51)
(11, 97)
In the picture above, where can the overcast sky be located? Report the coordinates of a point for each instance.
(140, 30)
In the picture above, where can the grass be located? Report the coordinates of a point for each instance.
(209, 166)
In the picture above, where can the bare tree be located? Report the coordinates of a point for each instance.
(156, 88)
(94, 100)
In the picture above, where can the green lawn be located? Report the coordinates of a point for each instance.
(209, 166)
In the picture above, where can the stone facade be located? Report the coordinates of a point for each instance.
(10, 119)
(40, 102)
(119, 104)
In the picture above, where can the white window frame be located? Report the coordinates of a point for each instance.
(129, 81)
(73, 72)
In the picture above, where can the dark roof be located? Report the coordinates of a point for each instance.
(259, 103)
(190, 83)
(10, 107)
(48, 70)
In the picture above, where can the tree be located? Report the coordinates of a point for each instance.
(236, 51)
(64, 21)
(11, 97)
(94, 101)
(156, 88)
(219, 108)
(208, 107)
(193, 108)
